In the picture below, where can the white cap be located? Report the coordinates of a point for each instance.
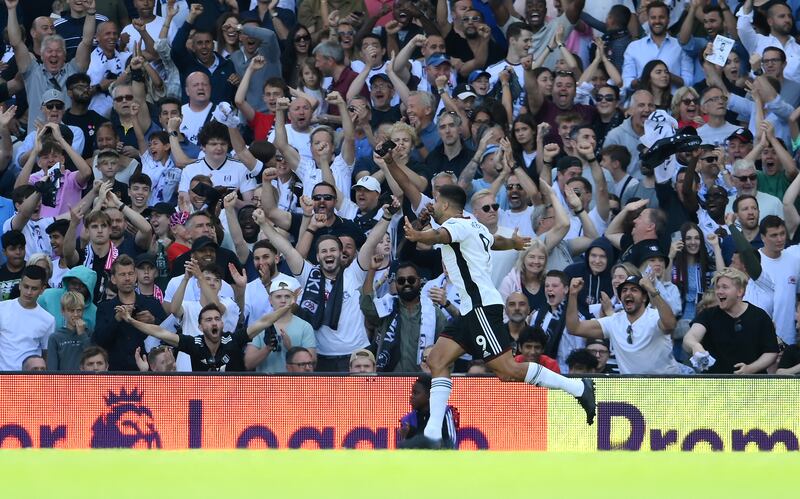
(369, 183)
(284, 282)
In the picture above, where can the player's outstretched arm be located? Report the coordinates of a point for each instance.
(432, 236)
(267, 320)
(149, 329)
(586, 329)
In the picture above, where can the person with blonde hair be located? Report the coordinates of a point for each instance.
(686, 108)
(66, 345)
(527, 276)
(43, 260)
(738, 336)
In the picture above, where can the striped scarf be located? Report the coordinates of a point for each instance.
(113, 253)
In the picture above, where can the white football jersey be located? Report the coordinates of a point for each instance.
(468, 261)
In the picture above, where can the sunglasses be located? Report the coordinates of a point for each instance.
(120, 98)
(689, 102)
(606, 97)
(473, 19)
(490, 207)
(630, 334)
(303, 38)
(323, 197)
(401, 281)
(745, 178)
(512, 187)
(54, 105)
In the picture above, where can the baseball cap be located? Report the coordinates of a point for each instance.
(160, 208)
(490, 150)
(145, 258)
(437, 59)
(477, 74)
(651, 251)
(743, 135)
(203, 241)
(369, 183)
(51, 95)
(631, 279)
(284, 282)
(362, 352)
(380, 76)
(568, 162)
(464, 91)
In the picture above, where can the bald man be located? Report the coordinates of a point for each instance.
(630, 131)
(42, 26)
(518, 311)
(199, 108)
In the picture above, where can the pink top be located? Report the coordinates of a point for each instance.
(68, 195)
(374, 6)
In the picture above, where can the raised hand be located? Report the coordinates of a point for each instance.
(174, 124)
(520, 242)
(412, 234)
(141, 360)
(195, 10)
(307, 204)
(334, 98)
(550, 151)
(574, 201)
(282, 103)
(376, 263)
(437, 295)
(259, 217)
(257, 62)
(229, 201)
(392, 27)
(575, 286)
(239, 278)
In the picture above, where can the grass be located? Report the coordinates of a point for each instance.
(391, 474)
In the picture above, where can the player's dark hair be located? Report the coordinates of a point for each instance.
(213, 130)
(515, 29)
(658, 4)
(264, 244)
(324, 184)
(58, 227)
(78, 78)
(616, 152)
(406, 264)
(742, 198)
(21, 193)
(770, 222)
(779, 50)
(12, 238)
(583, 357)
(169, 100)
(454, 194)
(620, 14)
(532, 334)
(35, 273)
(329, 237)
(140, 178)
(159, 135)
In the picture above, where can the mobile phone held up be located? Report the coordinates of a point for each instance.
(384, 148)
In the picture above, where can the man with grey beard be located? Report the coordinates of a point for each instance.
(518, 311)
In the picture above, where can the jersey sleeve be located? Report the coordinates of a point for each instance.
(458, 229)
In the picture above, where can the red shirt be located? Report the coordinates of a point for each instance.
(544, 360)
(342, 85)
(262, 125)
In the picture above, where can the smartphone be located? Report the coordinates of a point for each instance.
(384, 148)
(676, 236)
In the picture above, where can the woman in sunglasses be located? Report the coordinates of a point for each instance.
(294, 49)
(686, 108)
(606, 101)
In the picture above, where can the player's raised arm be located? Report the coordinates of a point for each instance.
(431, 236)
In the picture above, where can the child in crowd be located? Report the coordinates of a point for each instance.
(66, 345)
(414, 422)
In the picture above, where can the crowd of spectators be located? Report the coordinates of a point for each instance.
(222, 185)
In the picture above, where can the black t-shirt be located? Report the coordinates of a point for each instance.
(341, 226)
(731, 340)
(229, 356)
(8, 280)
(458, 47)
(790, 357)
(634, 252)
(391, 115)
(89, 123)
(437, 161)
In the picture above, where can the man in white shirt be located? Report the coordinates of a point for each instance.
(147, 19)
(779, 19)
(298, 130)
(197, 112)
(783, 266)
(223, 171)
(105, 63)
(330, 297)
(25, 326)
(639, 334)
(658, 45)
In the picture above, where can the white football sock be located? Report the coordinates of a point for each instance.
(541, 376)
(440, 394)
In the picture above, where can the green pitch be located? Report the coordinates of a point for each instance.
(387, 474)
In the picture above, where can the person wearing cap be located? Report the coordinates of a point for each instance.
(452, 154)
(53, 70)
(159, 218)
(740, 143)
(329, 300)
(146, 273)
(382, 95)
(79, 92)
(52, 111)
(519, 44)
(738, 335)
(479, 80)
(653, 260)
(267, 352)
(638, 334)
(362, 361)
(365, 211)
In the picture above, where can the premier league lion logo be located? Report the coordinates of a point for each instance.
(127, 425)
